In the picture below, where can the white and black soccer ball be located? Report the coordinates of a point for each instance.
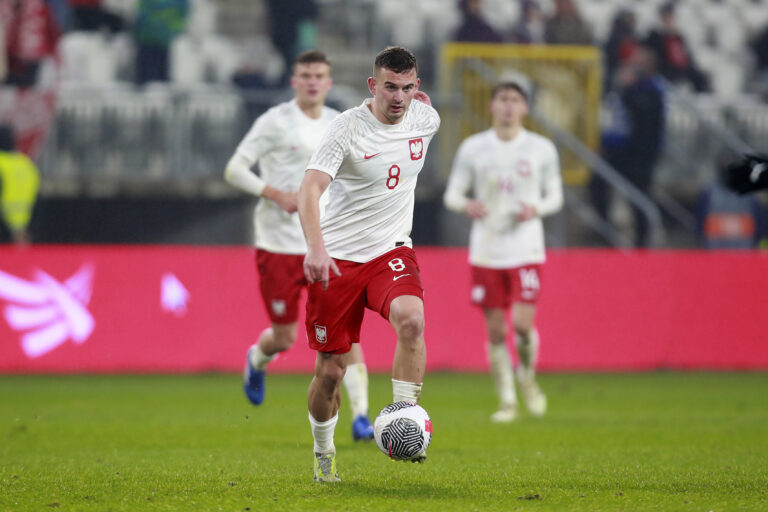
(403, 431)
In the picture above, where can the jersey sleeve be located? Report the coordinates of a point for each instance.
(259, 139)
(333, 147)
(460, 182)
(551, 183)
(256, 143)
(428, 116)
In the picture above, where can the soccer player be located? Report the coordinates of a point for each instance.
(514, 177)
(281, 141)
(359, 252)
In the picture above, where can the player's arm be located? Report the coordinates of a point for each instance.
(257, 142)
(238, 174)
(456, 194)
(551, 200)
(317, 262)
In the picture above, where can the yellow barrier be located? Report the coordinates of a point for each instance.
(565, 82)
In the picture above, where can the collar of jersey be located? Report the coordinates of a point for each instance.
(385, 126)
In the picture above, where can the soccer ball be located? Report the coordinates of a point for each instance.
(403, 431)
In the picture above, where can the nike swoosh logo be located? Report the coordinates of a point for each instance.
(398, 277)
(367, 157)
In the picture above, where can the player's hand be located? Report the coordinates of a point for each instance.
(288, 201)
(318, 265)
(527, 212)
(476, 209)
(748, 174)
(422, 97)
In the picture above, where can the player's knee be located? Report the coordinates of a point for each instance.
(330, 373)
(410, 325)
(283, 340)
(497, 334)
(522, 329)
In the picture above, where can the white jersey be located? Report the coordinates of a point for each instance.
(504, 175)
(281, 140)
(374, 167)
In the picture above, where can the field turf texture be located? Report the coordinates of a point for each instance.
(649, 441)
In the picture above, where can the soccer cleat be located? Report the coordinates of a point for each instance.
(535, 400)
(505, 414)
(253, 381)
(325, 468)
(362, 430)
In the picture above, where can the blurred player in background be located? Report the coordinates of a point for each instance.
(514, 177)
(281, 141)
(359, 252)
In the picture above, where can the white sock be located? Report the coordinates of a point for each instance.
(528, 351)
(503, 376)
(408, 391)
(322, 432)
(356, 384)
(258, 359)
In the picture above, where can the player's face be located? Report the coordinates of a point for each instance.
(508, 107)
(392, 93)
(311, 83)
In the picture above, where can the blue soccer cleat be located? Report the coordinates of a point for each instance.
(253, 381)
(362, 430)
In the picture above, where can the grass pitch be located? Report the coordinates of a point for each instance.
(659, 441)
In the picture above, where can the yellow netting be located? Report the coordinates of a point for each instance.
(566, 86)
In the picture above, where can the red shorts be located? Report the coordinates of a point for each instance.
(281, 279)
(501, 287)
(334, 315)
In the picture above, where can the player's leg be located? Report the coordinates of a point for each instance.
(281, 279)
(332, 324)
(406, 314)
(324, 398)
(272, 341)
(527, 343)
(356, 384)
(525, 296)
(501, 365)
(492, 291)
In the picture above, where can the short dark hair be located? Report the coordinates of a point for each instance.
(395, 58)
(311, 57)
(509, 85)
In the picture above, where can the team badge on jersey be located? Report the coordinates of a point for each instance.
(320, 334)
(523, 168)
(417, 148)
(278, 307)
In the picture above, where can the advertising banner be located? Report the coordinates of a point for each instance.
(103, 309)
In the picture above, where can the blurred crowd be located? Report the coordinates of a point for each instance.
(181, 40)
(59, 43)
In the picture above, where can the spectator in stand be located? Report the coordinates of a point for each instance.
(292, 25)
(31, 36)
(473, 27)
(158, 22)
(673, 56)
(759, 47)
(632, 142)
(621, 45)
(566, 26)
(530, 28)
(19, 182)
(91, 16)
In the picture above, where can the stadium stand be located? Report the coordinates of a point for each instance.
(224, 71)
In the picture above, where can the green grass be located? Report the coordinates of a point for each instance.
(659, 441)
